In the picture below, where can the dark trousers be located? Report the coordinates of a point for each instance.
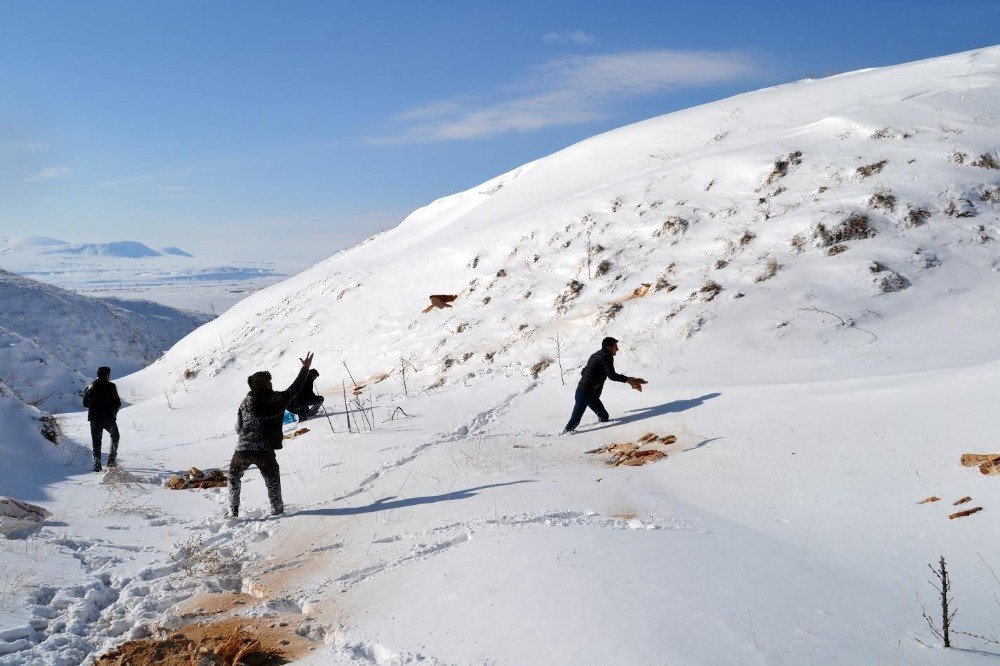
(97, 428)
(587, 397)
(307, 408)
(267, 463)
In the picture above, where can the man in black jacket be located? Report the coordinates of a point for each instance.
(600, 366)
(258, 424)
(307, 403)
(102, 403)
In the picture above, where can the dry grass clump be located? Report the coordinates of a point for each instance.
(834, 250)
(770, 269)
(958, 157)
(663, 283)
(608, 313)
(782, 165)
(672, 226)
(990, 194)
(871, 169)
(603, 268)
(798, 242)
(877, 267)
(893, 282)
(710, 290)
(883, 199)
(50, 428)
(568, 295)
(916, 216)
(855, 226)
(540, 366)
(986, 161)
(960, 208)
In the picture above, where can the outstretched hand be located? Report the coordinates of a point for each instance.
(636, 383)
(307, 361)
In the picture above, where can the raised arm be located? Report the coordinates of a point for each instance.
(300, 380)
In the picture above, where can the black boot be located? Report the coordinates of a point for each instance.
(97, 464)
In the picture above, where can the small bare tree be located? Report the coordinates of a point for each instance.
(559, 359)
(943, 587)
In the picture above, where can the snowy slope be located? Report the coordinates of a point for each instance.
(52, 340)
(819, 332)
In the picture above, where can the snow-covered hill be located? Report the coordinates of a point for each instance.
(809, 222)
(52, 340)
(806, 275)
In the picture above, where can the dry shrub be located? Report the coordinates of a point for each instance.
(672, 226)
(663, 283)
(893, 282)
(720, 264)
(710, 290)
(568, 295)
(770, 269)
(798, 242)
(960, 208)
(986, 161)
(603, 268)
(540, 366)
(50, 428)
(855, 226)
(834, 250)
(501, 273)
(916, 217)
(958, 157)
(608, 313)
(871, 169)
(990, 194)
(782, 165)
(877, 267)
(883, 199)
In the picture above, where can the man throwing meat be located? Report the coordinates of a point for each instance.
(600, 366)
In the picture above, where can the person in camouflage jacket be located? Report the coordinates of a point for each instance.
(258, 425)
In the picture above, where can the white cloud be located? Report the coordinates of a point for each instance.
(49, 173)
(565, 91)
(574, 37)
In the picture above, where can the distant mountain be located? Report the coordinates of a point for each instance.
(176, 251)
(120, 249)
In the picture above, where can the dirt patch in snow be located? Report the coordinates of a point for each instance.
(245, 640)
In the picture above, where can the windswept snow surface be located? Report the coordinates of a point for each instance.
(817, 399)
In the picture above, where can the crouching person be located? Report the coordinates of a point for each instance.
(258, 424)
(307, 403)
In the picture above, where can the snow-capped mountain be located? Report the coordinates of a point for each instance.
(52, 340)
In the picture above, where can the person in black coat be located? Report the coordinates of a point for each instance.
(258, 424)
(600, 367)
(102, 403)
(307, 403)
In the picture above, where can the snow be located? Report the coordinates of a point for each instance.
(53, 340)
(813, 412)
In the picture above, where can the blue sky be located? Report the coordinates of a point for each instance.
(277, 130)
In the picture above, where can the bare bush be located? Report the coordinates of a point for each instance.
(798, 242)
(883, 199)
(663, 283)
(782, 165)
(916, 217)
(877, 267)
(893, 282)
(709, 290)
(871, 169)
(190, 374)
(568, 295)
(770, 269)
(603, 268)
(986, 161)
(672, 226)
(958, 157)
(540, 366)
(834, 250)
(50, 428)
(990, 194)
(855, 226)
(960, 208)
(608, 313)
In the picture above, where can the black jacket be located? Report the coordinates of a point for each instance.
(600, 366)
(261, 415)
(101, 400)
